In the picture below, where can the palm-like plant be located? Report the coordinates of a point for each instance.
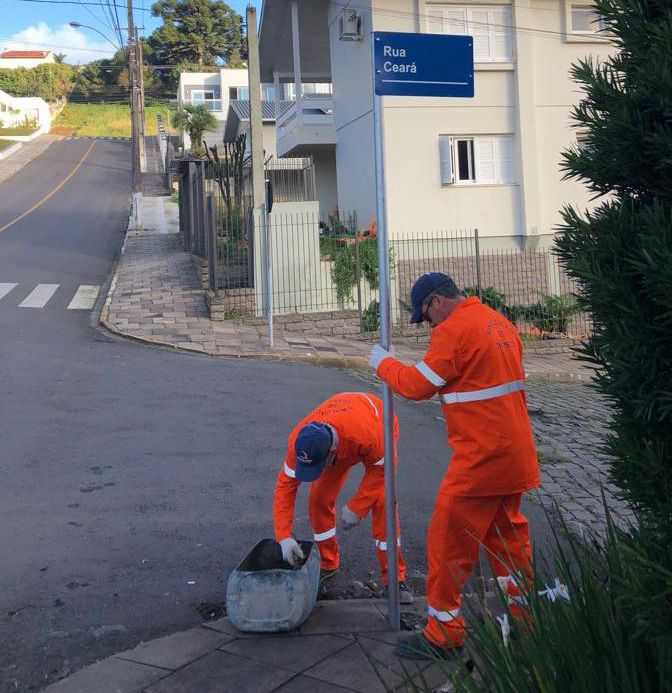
(194, 119)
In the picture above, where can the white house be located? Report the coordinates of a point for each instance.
(11, 59)
(215, 90)
(16, 111)
(490, 162)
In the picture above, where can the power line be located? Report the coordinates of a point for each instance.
(364, 9)
(75, 2)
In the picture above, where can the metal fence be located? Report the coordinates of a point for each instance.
(315, 273)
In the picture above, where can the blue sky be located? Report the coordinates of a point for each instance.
(44, 26)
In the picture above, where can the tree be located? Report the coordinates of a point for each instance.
(59, 57)
(621, 252)
(194, 119)
(203, 32)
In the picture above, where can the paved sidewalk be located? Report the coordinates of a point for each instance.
(27, 152)
(156, 297)
(343, 646)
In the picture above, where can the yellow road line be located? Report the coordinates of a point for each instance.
(39, 203)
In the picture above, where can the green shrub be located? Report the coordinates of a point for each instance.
(371, 317)
(614, 634)
(621, 251)
(550, 314)
(50, 81)
(490, 296)
(344, 271)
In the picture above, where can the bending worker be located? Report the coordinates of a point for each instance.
(342, 431)
(474, 362)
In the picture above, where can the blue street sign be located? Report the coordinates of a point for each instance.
(423, 64)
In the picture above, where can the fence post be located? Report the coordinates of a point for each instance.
(358, 275)
(478, 262)
(200, 201)
(192, 214)
(211, 243)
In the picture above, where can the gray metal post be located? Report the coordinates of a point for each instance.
(477, 249)
(388, 404)
(212, 245)
(269, 272)
(358, 274)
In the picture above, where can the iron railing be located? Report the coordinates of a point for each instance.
(315, 272)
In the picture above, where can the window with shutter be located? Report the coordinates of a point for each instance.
(490, 25)
(485, 160)
(446, 160)
(505, 159)
(479, 160)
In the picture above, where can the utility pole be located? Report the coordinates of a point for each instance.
(141, 99)
(135, 121)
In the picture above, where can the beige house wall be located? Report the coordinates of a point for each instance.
(529, 98)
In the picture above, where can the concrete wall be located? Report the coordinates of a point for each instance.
(351, 76)
(15, 110)
(326, 181)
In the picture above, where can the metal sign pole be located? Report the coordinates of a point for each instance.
(269, 273)
(388, 404)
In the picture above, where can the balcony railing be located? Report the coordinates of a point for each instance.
(211, 104)
(308, 121)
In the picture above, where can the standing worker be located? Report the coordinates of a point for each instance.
(342, 431)
(475, 363)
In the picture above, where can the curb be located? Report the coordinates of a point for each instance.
(10, 150)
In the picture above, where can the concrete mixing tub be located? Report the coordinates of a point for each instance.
(265, 595)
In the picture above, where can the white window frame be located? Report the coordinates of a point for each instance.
(466, 20)
(496, 151)
(203, 93)
(599, 25)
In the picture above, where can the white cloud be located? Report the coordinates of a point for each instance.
(74, 43)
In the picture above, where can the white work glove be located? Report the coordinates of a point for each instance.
(349, 519)
(291, 551)
(378, 354)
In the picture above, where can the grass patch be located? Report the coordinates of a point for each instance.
(105, 120)
(20, 130)
(6, 143)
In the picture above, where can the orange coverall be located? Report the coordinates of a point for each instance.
(357, 418)
(474, 362)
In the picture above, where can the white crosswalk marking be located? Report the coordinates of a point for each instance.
(39, 296)
(85, 297)
(5, 289)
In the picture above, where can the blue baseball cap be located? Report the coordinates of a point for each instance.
(312, 447)
(423, 287)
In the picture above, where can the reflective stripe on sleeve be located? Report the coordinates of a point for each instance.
(433, 377)
(486, 393)
(443, 616)
(323, 536)
(290, 472)
(380, 463)
(382, 545)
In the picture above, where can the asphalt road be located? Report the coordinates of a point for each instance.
(132, 479)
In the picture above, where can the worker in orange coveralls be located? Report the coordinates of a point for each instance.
(474, 362)
(341, 432)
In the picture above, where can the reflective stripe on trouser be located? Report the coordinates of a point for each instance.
(322, 511)
(518, 604)
(379, 532)
(458, 527)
